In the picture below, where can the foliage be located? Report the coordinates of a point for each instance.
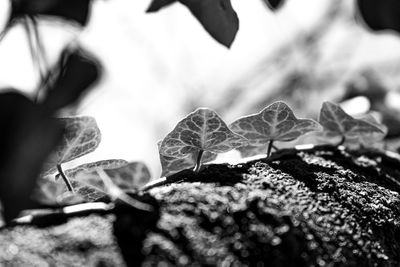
(274, 123)
(218, 17)
(336, 123)
(201, 131)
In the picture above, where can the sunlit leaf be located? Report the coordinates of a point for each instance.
(202, 130)
(27, 136)
(81, 137)
(92, 166)
(132, 176)
(380, 15)
(73, 10)
(274, 123)
(218, 17)
(77, 71)
(171, 165)
(336, 122)
(274, 4)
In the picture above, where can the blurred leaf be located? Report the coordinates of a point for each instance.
(370, 138)
(380, 15)
(92, 166)
(76, 73)
(201, 130)
(158, 4)
(28, 135)
(81, 136)
(274, 123)
(73, 10)
(132, 176)
(336, 122)
(274, 4)
(171, 165)
(218, 17)
(249, 151)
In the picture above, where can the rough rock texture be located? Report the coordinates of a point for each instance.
(299, 208)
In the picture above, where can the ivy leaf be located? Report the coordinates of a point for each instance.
(92, 166)
(217, 17)
(72, 10)
(28, 135)
(201, 130)
(274, 123)
(50, 192)
(77, 72)
(274, 4)
(81, 137)
(158, 4)
(171, 165)
(132, 176)
(370, 138)
(380, 15)
(336, 122)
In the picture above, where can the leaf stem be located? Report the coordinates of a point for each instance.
(198, 161)
(65, 178)
(342, 141)
(270, 146)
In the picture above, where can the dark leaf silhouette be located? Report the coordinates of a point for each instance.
(380, 15)
(274, 4)
(77, 72)
(336, 122)
(158, 4)
(218, 17)
(73, 10)
(202, 130)
(27, 137)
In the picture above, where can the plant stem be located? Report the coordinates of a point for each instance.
(65, 178)
(198, 161)
(342, 141)
(270, 146)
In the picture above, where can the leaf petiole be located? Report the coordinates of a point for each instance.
(65, 178)
(198, 161)
(342, 140)
(270, 146)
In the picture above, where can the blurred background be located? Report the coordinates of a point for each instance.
(159, 67)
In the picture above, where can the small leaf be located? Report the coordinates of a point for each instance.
(336, 122)
(132, 176)
(274, 123)
(158, 4)
(274, 4)
(171, 165)
(203, 130)
(380, 15)
(81, 137)
(77, 72)
(218, 18)
(73, 10)
(90, 167)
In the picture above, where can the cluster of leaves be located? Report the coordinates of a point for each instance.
(203, 132)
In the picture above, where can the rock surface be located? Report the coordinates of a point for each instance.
(299, 208)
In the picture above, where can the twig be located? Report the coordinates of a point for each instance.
(65, 178)
(270, 145)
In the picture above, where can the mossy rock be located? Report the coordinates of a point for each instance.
(319, 207)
